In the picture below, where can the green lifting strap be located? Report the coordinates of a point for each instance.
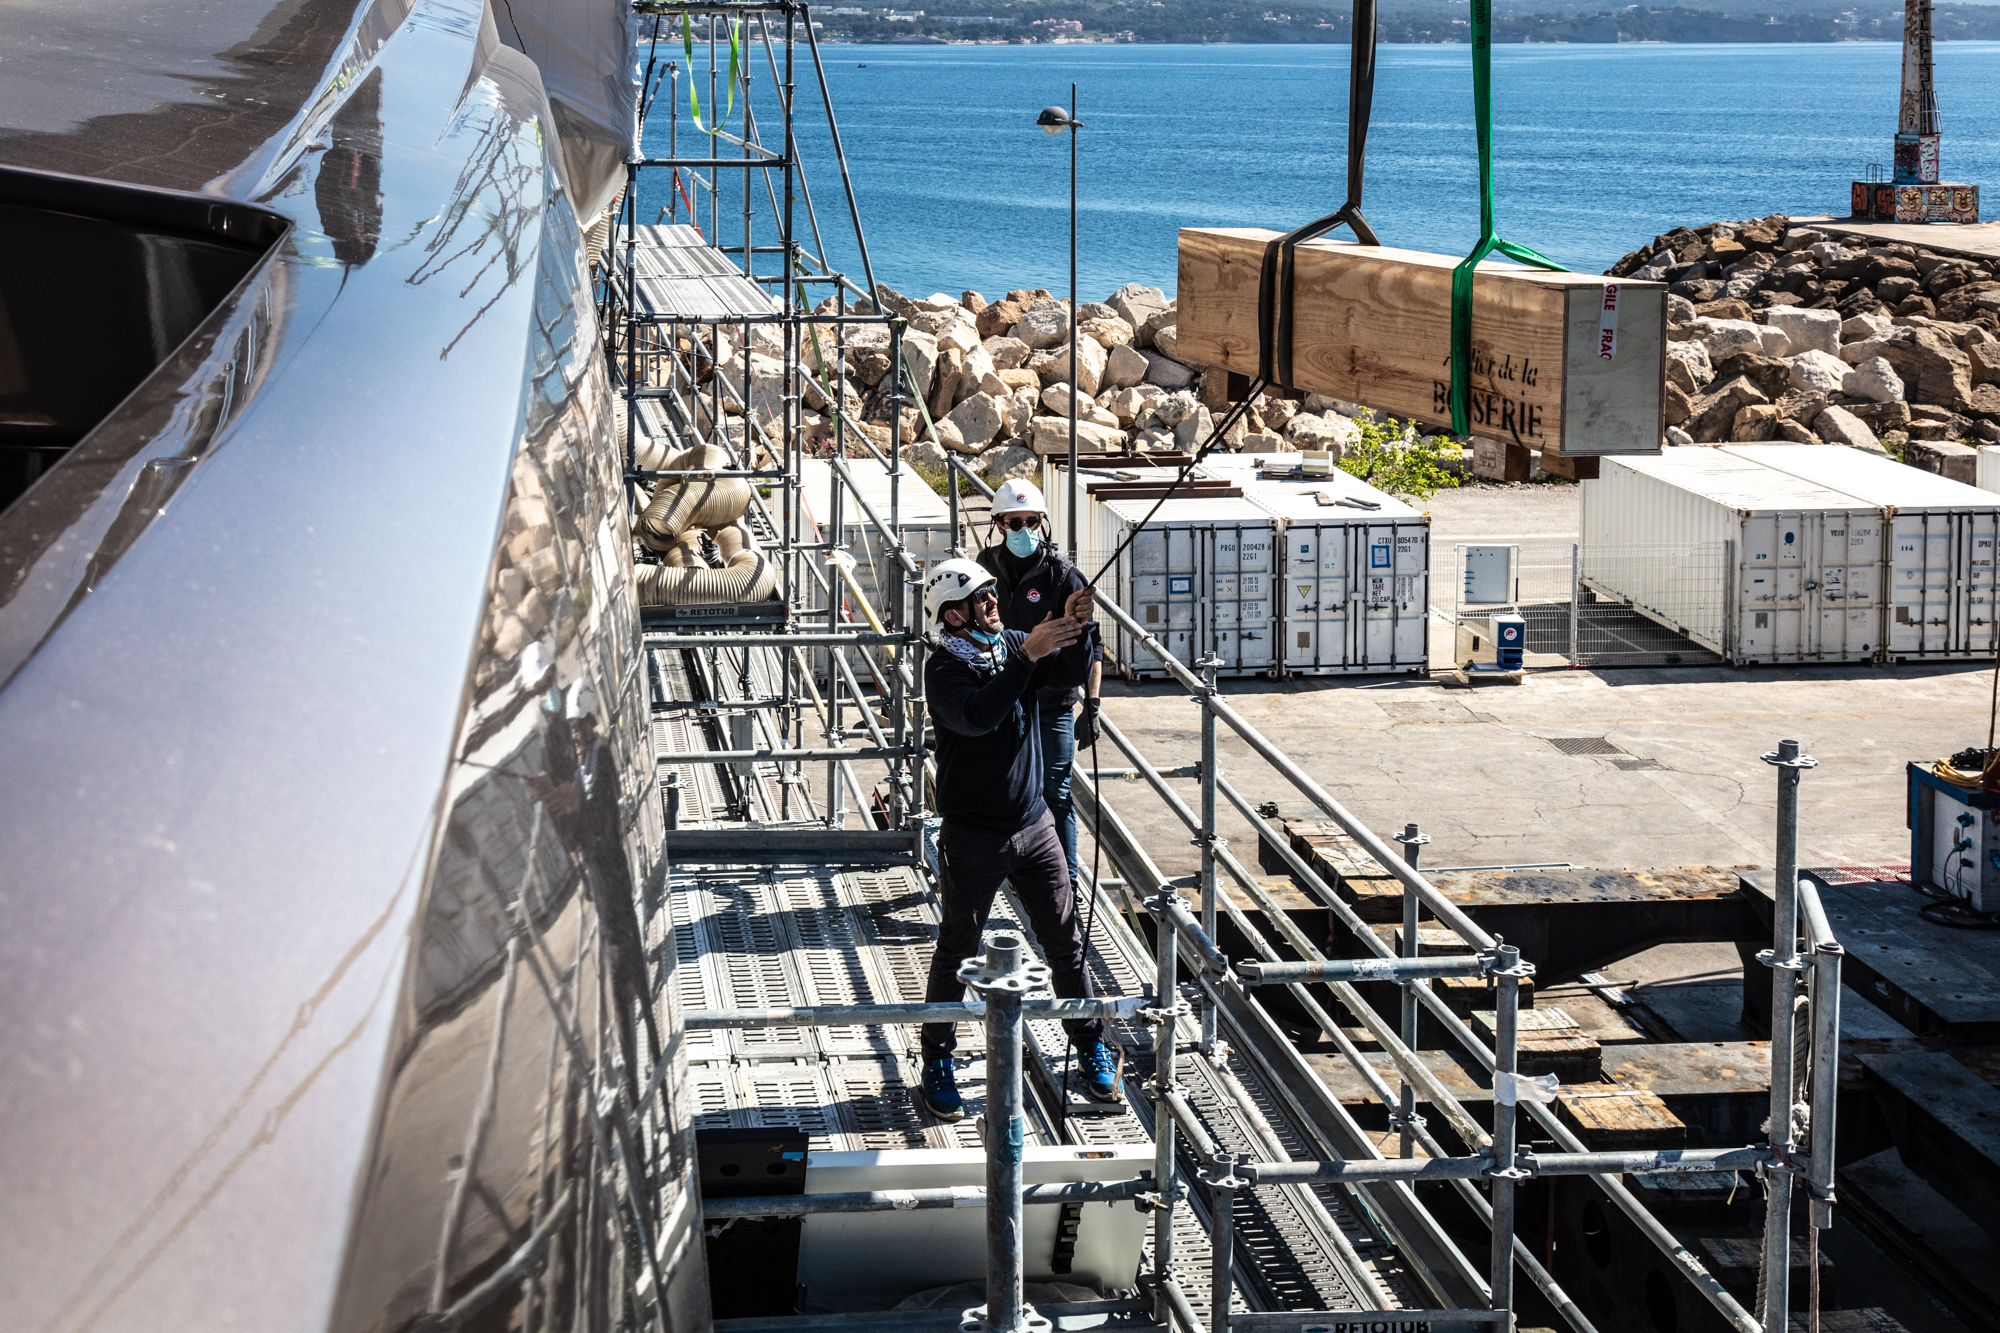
(694, 101)
(1461, 277)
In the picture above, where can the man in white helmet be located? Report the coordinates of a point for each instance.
(983, 685)
(1032, 577)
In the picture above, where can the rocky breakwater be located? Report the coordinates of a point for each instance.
(1780, 331)
(994, 382)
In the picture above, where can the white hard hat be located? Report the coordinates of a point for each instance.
(950, 581)
(581, 701)
(1019, 496)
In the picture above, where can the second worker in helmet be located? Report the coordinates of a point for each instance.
(1032, 578)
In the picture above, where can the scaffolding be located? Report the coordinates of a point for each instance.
(1271, 1208)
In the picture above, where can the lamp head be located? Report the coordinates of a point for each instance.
(1053, 119)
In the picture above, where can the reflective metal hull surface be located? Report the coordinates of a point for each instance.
(322, 728)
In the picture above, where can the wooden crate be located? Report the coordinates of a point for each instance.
(1373, 325)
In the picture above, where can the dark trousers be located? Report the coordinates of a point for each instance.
(976, 862)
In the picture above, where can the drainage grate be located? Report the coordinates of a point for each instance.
(1580, 745)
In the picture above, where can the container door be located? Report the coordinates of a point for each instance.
(1978, 530)
(1338, 551)
(1257, 614)
(1759, 634)
(1380, 585)
(1917, 622)
(1298, 594)
(1413, 595)
(1147, 558)
(1861, 583)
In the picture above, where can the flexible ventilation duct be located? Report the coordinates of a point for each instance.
(747, 576)
(680, 506)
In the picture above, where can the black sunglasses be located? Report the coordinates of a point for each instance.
(1015, 524)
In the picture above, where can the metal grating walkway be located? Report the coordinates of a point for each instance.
(805, 935)
(678, 275)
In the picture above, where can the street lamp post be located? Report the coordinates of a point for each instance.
(1055, 120)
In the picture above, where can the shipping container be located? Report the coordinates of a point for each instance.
(1197, 575)
(1750, 562)
(1939, 555)
(1354, 579)
(1986, 468)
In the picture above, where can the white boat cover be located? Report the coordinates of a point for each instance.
(588, 52)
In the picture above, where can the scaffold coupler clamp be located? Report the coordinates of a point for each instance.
(1410, 837)
(1004, 969)
(1504, 960)
(1220, 1174)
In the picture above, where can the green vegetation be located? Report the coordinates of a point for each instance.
(1396, 457)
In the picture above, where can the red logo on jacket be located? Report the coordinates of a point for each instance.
(1034, 594)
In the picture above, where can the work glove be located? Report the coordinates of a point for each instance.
(1086, 725)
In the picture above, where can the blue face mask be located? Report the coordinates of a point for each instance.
(981, 637)
(1024, 542)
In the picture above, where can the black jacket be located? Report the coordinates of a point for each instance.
(1030, 589)
(989, 733)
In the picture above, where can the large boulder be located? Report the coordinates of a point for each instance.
(1193, 432)
(1874, 379)
(1144, 335)
(1167, 341)
(1819, 371)
(1010, 462)
(1932, 368)
(1050, 435)
(1308, 430)
(1771, 374)
(1123, 367)
(1043, 324)
(920, 354)
(1725, 337)
(1985, 401)
(979, 418)
(1837, 425)
(999, 317)
(1020, 378)
(1982, 353)
(1689, 360)
(1714, 412)
(1858, 328)
(1755, 423)
(979, 376)
(1008, 353)
(1136, 304)
(1089, 370)
(944, 388)
(1107, 332)
(1676, 403)
(1166, 372)
(1806, 330)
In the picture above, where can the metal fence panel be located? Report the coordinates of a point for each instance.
(1680, 616)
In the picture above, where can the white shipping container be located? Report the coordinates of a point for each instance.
(1198, 575)
(1354, 579)
(1802, 576)
(1986, 468)
(1939, 600)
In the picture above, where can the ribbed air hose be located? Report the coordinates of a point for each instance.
(679, 506)
(747, 576)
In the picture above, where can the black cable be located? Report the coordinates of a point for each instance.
(1208, 446)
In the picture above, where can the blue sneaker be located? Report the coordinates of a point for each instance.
(940, 1095)
(1102, 1067)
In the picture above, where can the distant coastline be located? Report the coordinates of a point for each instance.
(1401, 22)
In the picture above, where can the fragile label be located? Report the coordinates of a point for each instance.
(1607, 324)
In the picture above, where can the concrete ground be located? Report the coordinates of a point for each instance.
(1479, 770)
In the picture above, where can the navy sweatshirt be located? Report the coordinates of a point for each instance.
(1031, 588)
(989, 734)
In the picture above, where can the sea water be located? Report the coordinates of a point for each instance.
(1597, 149)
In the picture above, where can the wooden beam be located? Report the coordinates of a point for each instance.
(1373, 325)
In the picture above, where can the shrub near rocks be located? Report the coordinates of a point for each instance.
(1808, 335)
